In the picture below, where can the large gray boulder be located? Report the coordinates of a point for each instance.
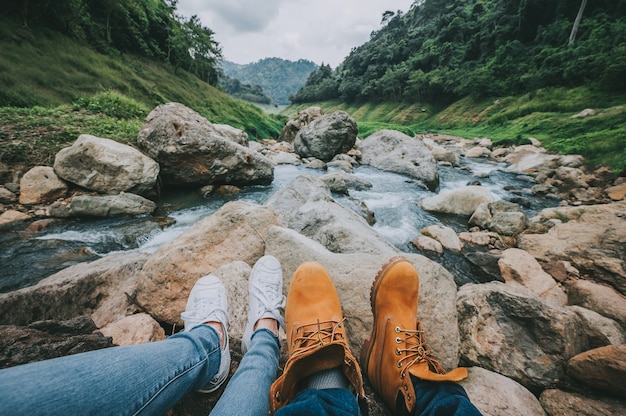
(326, 136)
(106, 166)
(393, 151)
(510, 331)
(236, 232)
(307, 206)
(194, 152)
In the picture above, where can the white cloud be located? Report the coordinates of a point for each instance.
(321, 31)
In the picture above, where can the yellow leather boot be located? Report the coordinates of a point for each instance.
(316, 335)
(396, 347)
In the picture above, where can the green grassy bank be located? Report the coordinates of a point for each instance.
(53, 88)
(544, 114)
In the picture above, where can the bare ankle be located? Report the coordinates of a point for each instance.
(267, 323)
(219, 329)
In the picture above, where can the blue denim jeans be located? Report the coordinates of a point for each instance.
(433, 399)
(141, 379)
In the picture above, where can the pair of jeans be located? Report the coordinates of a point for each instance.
(432, 399)
(143, 379)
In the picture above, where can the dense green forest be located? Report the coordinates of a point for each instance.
(279, 78)
(243, 91)
(149, 28)
(442, 50)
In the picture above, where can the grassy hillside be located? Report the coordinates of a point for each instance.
(47, 76)
(544, 114)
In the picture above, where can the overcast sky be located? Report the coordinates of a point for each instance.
(320, 31)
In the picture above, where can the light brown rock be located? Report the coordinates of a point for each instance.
(11, 217)
(602, 368)
(41, 185)
(134, 329)
(237, 231)
(563, 403)
(517, 267)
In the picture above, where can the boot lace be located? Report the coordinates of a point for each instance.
(311, 336)
(416, 350)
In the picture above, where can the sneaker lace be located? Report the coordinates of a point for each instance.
(312, 336)
(416, 350)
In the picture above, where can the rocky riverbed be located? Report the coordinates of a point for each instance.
(544, 333)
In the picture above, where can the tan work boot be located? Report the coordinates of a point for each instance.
(396, 347)
(316, 335)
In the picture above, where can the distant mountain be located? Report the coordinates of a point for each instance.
(279, 78)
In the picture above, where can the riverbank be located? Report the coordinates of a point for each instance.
(563, 284)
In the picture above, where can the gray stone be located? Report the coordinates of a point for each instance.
(327, 136)
(110, 205)
(393, 151)
(106, 166)
(194, 152)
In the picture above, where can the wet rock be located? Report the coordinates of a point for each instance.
(306, 205)
(445, 235)
(107, 167)
(6, 196)
(12, 217)
(110, 205)
(393, 151)
(425, 243)
(98, 289)
(458, 202)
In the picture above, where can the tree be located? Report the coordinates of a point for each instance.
(579, 16)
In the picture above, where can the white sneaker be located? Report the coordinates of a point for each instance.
(265, 296)
(207, 302)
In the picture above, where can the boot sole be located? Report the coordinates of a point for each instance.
(366, 350)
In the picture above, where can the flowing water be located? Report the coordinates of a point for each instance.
(28, 256)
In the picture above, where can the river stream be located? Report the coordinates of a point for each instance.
(28, 256)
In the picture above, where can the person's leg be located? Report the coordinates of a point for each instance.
(441, 398)
(315, 402)
(247, 392)
(140, 379)
(317, 341)
(396, 351)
